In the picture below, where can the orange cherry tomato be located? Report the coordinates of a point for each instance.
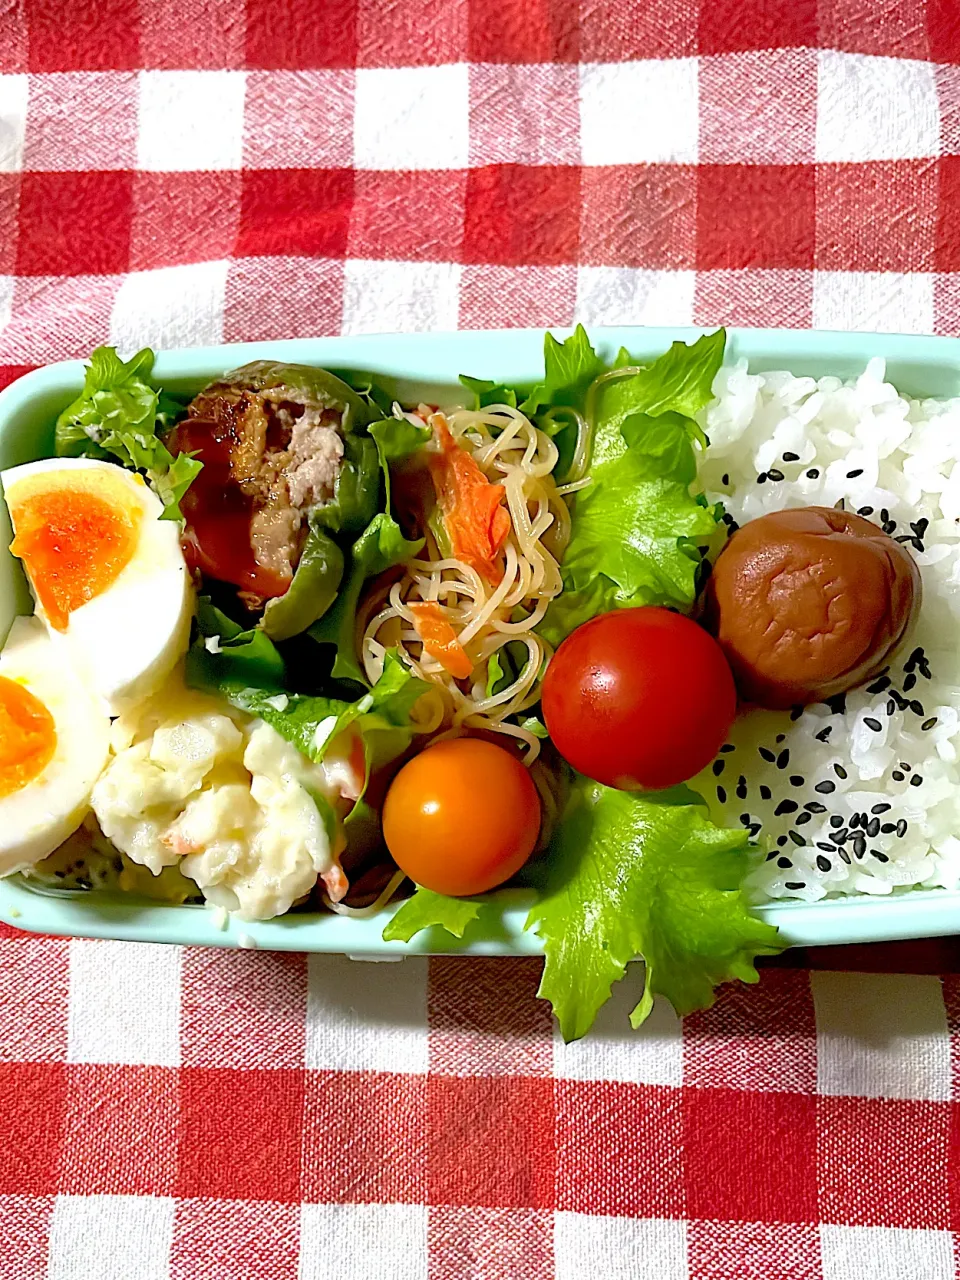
(461, 817)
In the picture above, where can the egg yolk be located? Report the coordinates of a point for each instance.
(74, 544)
(28, 736)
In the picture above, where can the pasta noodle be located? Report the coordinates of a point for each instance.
(510, 450)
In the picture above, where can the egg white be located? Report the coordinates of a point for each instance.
(126, 641)
(40, 816)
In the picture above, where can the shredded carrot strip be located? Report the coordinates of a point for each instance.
(440, 639)
(476, 520)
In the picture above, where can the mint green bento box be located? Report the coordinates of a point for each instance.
(425, 366)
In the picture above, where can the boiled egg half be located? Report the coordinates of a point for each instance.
(108, 574)
(54, 742)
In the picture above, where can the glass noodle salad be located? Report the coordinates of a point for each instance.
(340, 653)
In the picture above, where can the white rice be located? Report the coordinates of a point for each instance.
(908, 456)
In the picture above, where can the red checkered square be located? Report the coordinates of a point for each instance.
(524, 31)
(761, 1037)
(14, 39)
(948, 96)
(880, 216)
(759, 215)
(98, 35)
(282, 298)
(892, 29)
(34, 999)
(120, 1131)
(524, 115)
(517, 297)
(946, 308)
(243, 1009)
(240, 1134)
(58, 318)
(365, 1137)
(639, 216)
(490, 1244)
(194, 35)
(294, 36)
(754, 299)
(485, 1018)
(74, 224)
(10, 373)
(619, 1149)
(948, 214)
(298, 119)
(943, 30)
(9, 221)
(491, 1141)
(412, 216)
(759, 107)
(883, 1162)
(516, 214)
(753, 1251)
(727, 26)
(32, 1102)
(411, 33)
(295, 211)
(951, 983)
(82, 120)
(621, 30)
(235, 1240)
(183, 217)
(24, 1235)
(750, 1156)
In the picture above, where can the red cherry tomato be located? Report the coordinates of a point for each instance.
(461, 817)
(639, 699)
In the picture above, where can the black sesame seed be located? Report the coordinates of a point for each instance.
(796, 780)
(844, 855)
(791, 457)
(794, 884)
(781, 737)
(873, 724)
(742, 788)
(771, 855)
(884, 514)
(859, 846)
(888, 828)
(880, 808)
(824, 734)
(901, 828)
(826, 787)
(854, 821)
(909, 682)
(880, 857)
(781, 841)
(917, 545)
(802, 819)
(905, 766)
(865, 511)
(775, 475)
(814, 806)
(721, 795)
(838, 837)
(904, 537)
(899, 699)
(767, 754)
(754, 829)
(891, 706)
(796, 713)
(878, 686)
(916, 707)
(823, 863)
(920, 527)
(745, 819)
(725, 478)
(813, 473)
(889, 527)
(916, 780)
(857, 471)
(797, 838)
(897, 776)
(838, 703)
(765, 792)
(928, 724)
(783, 759)
(827, 848)
(785, 863)
(718, 767)
(835, 820)
(785, 806)
(727, 746)
(762, 478)
(873, 828)
(840, 771)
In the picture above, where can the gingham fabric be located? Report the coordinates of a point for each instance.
(190, 171)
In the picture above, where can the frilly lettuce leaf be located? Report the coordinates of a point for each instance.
(427, 909)
(569, 369)
(632, 875)
(116, 417)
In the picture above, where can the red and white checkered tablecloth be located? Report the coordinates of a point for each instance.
(192, 171)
